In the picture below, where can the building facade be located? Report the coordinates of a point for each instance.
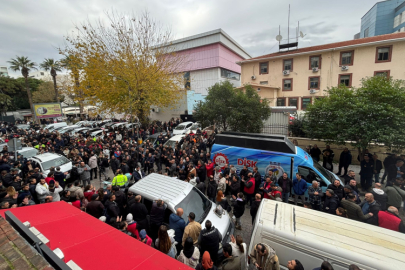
(298, 77)
(4, 71)
(384, 17)
(209, 58)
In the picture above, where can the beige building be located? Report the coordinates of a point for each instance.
(298, 77)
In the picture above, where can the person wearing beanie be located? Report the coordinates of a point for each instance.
(95, 207)
(145, 238)
(132, 226)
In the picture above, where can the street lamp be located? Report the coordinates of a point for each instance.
(130, 103)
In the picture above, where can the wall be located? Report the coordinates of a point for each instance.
(363, 66)
(337, 149)
(369, 21)
(209, 56)
(385, 17)
(165, 114)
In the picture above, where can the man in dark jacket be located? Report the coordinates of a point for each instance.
(258, 179)
(234, 186)
(394, 171)
(286, 184)
(351, 175)
(337, 189)
(315, 152)
(177, 223)
(354, 210)
(377, 168)
(201, 185)
(331, 202)
(138, 174)
(369, 205)
(366, 172)
(95, 207)
(139, 212)
(112, 208)
(255, 207)
(157, 215)
(344, 161)
(212, 189)
(238, 209)
(380, 196)
(59, 177)
(115, 164)
(209, 240)
(388, 161)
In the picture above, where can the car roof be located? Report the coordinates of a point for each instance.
(186, 123)
(156, 186)
(46, 157)
(176, 138)
(26, 149)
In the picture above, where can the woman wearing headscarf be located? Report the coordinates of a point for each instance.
(206, 263)
(190, 254)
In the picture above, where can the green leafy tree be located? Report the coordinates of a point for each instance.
(372, 113)
(53, 66)
(23, 64)
(233, 109)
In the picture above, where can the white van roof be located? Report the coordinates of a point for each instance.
(176, 138)
(156, 186)
(345, 238)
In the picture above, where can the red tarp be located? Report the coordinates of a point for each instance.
(90, 243)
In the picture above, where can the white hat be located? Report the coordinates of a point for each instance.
(130, 218)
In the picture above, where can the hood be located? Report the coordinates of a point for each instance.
(175, 218)
(221, 223)
(378, 191)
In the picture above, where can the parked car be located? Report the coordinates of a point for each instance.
(182, 128)
(48, 160)
(23, 126)
(193, 128)
(173, 140)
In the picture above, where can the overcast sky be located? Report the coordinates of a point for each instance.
(36, 28)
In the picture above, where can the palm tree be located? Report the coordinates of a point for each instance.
(68, 64)
(53, 66)
(25, 65)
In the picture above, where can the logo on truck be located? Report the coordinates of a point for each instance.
(246, 162)
(220, 160)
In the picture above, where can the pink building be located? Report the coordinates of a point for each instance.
(211, 57)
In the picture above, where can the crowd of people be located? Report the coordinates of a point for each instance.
(22, 184)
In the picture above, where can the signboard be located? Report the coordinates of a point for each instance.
(47, 110)
(14, 145)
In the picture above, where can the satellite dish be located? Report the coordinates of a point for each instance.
(279, 37)
(302, 34)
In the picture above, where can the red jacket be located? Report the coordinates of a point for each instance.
(388, 220)
(88, 194)
(147, 241)
(48, 179)
(210, 169)
(266, 189)
(250, 190)
(274, 192)
(132, 228)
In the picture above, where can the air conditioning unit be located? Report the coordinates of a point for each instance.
(315, 69)
(345, 68)
(286, 72)
(313, 91)
(253, 77)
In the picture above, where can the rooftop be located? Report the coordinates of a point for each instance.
(336, 45)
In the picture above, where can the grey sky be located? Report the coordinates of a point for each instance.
(35, 28)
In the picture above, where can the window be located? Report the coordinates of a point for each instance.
(314, 61)
(385, 73)
(305, 101)
(346, 58)
(366, 32)
(280, 102)
(383, 54)
(345, 79)
(187, 80)
(264, 82)
(230, 74)
(293, 102)
(287, 84)
(288, 64)
(42, 73)
(313, 82)
(264, 68)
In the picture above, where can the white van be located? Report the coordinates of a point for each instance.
(312, 237)
(53, 126)
(176, 193)
(172, 141)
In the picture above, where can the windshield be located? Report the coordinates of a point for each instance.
(172, 144)
(197, 203)
(324, 172)
(29, 153)
(59, 161)
(180, 127)
(152, 140)
(195, 126)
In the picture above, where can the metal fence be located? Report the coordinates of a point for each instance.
(275, 129)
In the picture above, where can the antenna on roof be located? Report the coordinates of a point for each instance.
(288, 45)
